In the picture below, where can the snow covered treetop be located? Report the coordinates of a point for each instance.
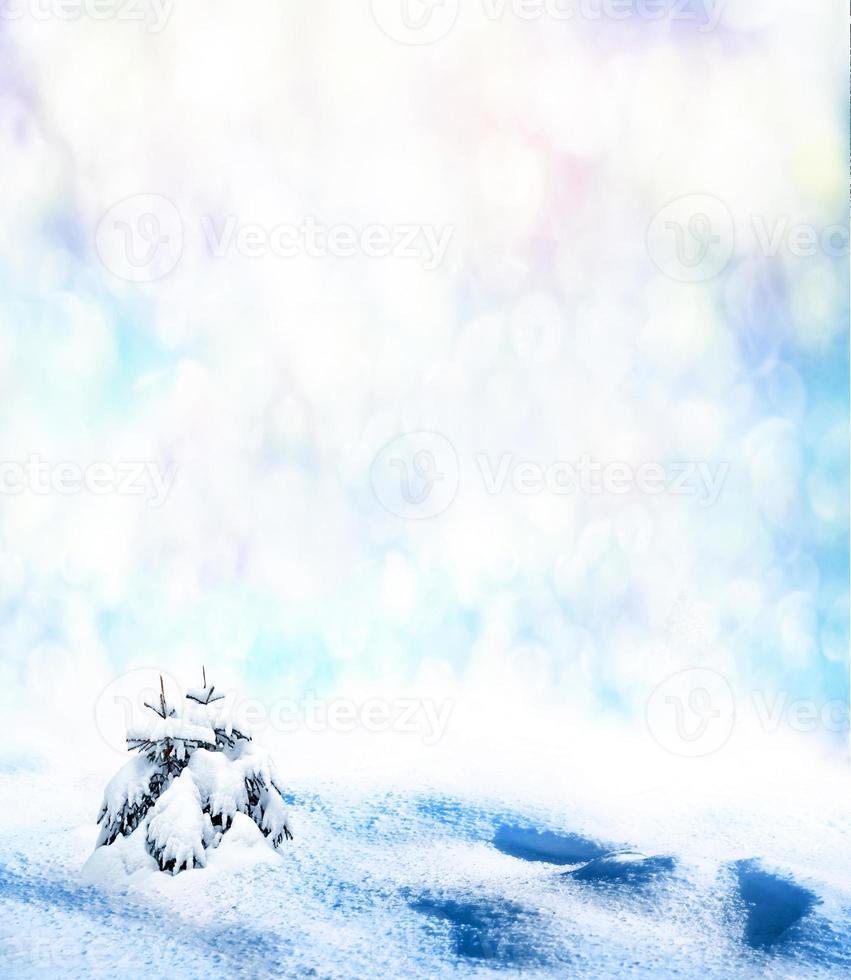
(204, 695)
(195, 772)
(173, 728)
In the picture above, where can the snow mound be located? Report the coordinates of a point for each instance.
(125, 799)
(178, 829)
(221, 783)
(124, 862)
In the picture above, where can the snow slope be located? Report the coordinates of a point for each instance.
(426, 880)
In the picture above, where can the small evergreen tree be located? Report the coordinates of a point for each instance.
(193, 773)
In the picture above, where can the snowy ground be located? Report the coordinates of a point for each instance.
(716, 877)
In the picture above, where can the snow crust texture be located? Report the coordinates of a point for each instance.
(404, 885)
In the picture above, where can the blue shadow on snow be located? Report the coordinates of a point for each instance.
(774, 904)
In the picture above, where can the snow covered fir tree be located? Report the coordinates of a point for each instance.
(194, 774)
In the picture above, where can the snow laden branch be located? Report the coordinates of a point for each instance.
(194, 772)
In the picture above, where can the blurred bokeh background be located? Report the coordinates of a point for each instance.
(626, 277)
